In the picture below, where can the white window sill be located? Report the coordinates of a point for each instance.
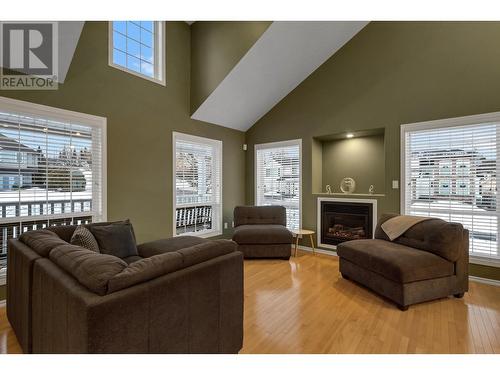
(473, 259)
(143, 76)
(201, 234)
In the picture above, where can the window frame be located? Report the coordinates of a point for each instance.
(219, 148)
(279, 144)
(481, 119)
(24, 108)
(159, 56)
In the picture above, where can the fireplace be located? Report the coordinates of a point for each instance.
(342, 220)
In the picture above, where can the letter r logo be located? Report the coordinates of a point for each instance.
(28, 48)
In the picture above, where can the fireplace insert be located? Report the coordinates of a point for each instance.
(345, 221)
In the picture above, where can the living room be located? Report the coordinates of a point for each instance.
(298, 186)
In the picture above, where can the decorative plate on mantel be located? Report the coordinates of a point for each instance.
(347, 185)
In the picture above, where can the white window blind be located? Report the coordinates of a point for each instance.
(51, 169)
(450, 169)
(138, 48)
(198, 185)
(278, 178)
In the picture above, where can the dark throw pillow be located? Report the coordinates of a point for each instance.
(115, 239)
(84, 238)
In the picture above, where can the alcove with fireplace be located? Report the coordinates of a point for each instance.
(359, 155)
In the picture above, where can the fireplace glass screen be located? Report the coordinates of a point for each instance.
(343, 221)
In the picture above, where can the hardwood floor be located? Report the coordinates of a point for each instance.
(8, 341)
(304, 306)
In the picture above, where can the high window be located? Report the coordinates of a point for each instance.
(138, 47)
(449, 171)
(197, 185)
(51, 169)
(278, 178)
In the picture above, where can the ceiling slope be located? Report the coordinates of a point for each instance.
(69, 34)
(286, 54)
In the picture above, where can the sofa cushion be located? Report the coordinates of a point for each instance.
(161, 264)
(396, 262)
(166, 245)
(41, 241)
(132, 259)
(91, 269)
(115, 239)
(205, 251)
(435, 235)
(244, 215)
(84, 238)
(145, 269)
(262, 234)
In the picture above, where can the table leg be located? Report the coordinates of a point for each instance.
(312, 243)
(296, 244)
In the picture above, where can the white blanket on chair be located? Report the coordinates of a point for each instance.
(396, 226)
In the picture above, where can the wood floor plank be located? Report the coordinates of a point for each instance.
(305, 306)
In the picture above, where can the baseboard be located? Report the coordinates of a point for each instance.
(484, 281)
(319, 251)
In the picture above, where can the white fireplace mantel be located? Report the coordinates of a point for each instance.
(346, 200)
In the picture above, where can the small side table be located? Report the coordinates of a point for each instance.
(303, 232)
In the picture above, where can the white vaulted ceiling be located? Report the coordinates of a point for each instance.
(285, 55)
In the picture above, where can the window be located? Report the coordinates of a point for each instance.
(449, 171)
(278, 178)
(137, 47)
(197, 185)
(51, 169)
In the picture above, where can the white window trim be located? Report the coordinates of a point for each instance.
(262, 146)
(216, 143)
(160, 55)
(493, 117)
(63, 115)
(56, 114)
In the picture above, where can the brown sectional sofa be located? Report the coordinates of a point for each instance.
(178, 295)
(260, 232)
(429, 261)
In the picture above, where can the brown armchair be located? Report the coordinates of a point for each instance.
(260, 232)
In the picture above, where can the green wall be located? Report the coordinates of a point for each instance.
(216, 47)
(141, 117)
(389, 74)
(341, 158)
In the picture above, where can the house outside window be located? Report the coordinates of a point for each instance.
(278, 178)
(197, 185)
(449, 170)
(51, 169)
(138, 47)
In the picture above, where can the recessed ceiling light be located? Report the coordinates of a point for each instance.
(349, 135)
